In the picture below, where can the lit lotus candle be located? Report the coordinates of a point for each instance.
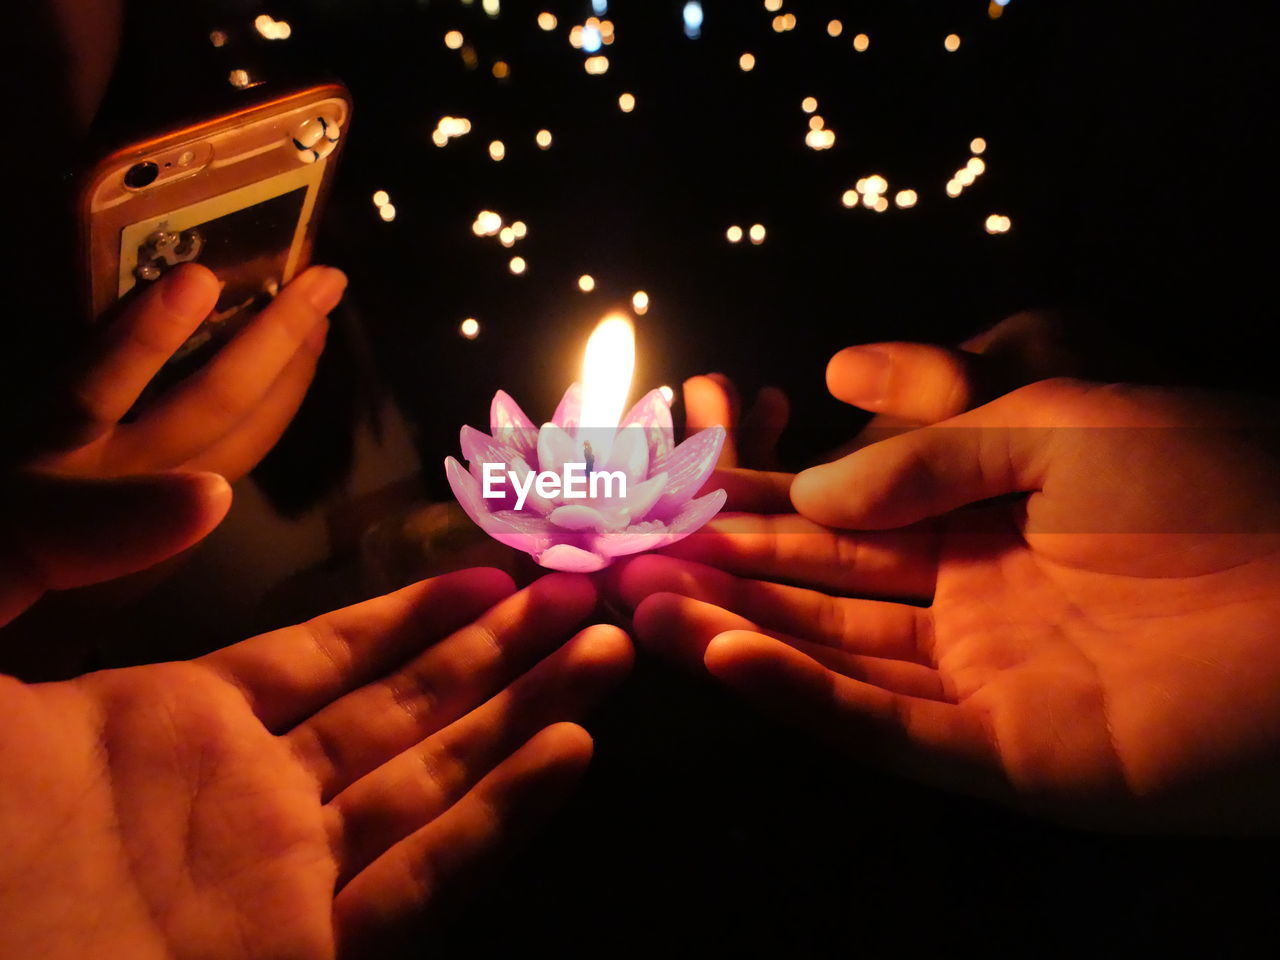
(591, 484)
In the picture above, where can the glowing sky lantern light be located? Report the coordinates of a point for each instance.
(592, 41)
(849, 198)
(487, 223)
(733, 234)
(507, 237)
(491, 7)
(861, 42)
(607, 368)
(952, 43)
(905, 199)
(586, 283)
(626, 102)
(497, 150)
(547, 21)
(387, 212)
(977, 145)
(881, 205)
(517, 265)
(543, 139)
(953, 188)
(693, 19)
(640, 304)
(469, 328)
(453, 39)
(835, 28)
(575, 37)
(977, 166)
(380, 197)
(519, 229)
(773, 6)
(757, 233)
(600, 7)
(809, 104)
(747, 62)
(597, 65)
(816, 122)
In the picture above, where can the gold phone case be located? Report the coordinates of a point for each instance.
(239, 193)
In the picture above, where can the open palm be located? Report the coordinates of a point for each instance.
(301, 793)
(1103, 650)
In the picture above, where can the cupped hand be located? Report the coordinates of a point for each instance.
(225, 417)
(1099, 642)
(304, 793)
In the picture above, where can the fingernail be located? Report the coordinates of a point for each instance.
(862, 375)
(323, 287)
(190, 292)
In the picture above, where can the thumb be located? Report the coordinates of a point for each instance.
(996, 449)
(62, 532)
(912, 382)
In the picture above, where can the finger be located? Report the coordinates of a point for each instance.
(915, 382)
(141, 340)
(62, 532)
(244, 447)
(289, 674)
(943, 744)
(711, 400)
(412, 789)
(428, 872)
(997, 449)
(364, 729)
(679, 629)
(868, 627)
(752, 491)
(216, 398)
(792, 549)
(761, 429)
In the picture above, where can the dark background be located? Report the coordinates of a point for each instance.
(1126, 143)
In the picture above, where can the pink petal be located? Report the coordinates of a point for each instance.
(556, 448)
(653, 414)
(630, 454)
(569, 413)
(688, 467)
(533, 502)
(530, 534)
(642, 496)
(510, 425)
(695, 514)
(653, 534)
(571, 559)
(577, 517)
(624, 543)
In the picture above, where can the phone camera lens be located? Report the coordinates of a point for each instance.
(141, 175)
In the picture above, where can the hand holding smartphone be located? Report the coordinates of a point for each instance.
(239, 193)
(202, 347)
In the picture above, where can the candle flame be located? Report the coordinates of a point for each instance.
(607, 368)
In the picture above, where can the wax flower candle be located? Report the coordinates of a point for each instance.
(591, 484)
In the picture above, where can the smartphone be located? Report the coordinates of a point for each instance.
(240, 193)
